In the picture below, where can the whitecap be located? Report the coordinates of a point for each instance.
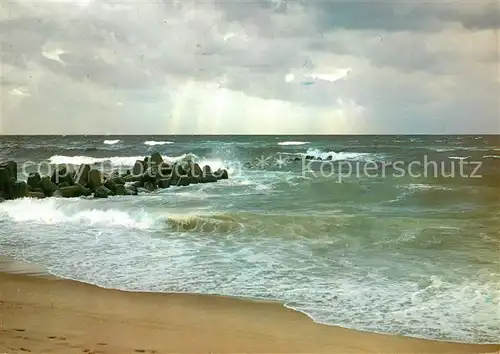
(114, 160)
(340, 156)
(111, 142)
(424, 187)
(443, 150)
(232, 167)
(59, 211)
(78, 160)
(291, 143)
(155, 143)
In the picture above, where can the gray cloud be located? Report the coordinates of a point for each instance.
(397, 15)
(249, 67)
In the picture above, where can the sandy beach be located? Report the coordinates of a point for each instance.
(42, 314)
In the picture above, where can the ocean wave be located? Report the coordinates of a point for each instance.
(341, 155)
(74, 211)
(206, 223)
(292, 143)
(85, 212)
(81, 212)
(412, 189)
(412, 302)
(58, 211)
(295, 224)
(114, 161)
(459, 148)
(155, 143)
(425, 187)
(78, 160)
(232, 167)
(111, 142)
(443, 149)
(491, 157)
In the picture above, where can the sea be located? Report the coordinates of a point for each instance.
(386, 234)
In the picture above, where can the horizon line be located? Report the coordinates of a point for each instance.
(242, 134)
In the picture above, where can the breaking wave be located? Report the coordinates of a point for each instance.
(115, 160)
(155, 143)
(341, 155)
(78, 160)
(292, 143)
(215, 163)
(59, 211)
(76, 212)
(111, 142)
(208, 223)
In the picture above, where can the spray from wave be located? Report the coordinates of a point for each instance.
(115, 160)
(215, 163)
(78, 160)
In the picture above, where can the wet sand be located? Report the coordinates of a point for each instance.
(43, 314)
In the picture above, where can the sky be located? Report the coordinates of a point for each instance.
(250, 67)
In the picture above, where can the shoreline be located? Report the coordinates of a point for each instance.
(36, 306)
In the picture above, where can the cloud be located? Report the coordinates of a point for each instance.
(266, 67)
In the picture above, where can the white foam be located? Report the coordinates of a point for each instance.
(111, 142)
(491, 157)
(232, 168)
(114, 161)
(287, 143)
(413, 188)
(78, 160)
(154, 143)
(458, 157)
(58, 211)
(421, 186)
(339, 156)
(113, 253)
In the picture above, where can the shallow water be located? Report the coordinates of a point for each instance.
(414, 255)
